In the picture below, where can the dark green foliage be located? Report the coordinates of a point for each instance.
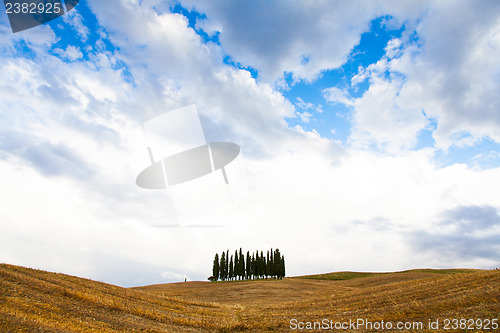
(222, 267)
(282, 268)
(241, 265)
(268, 264)
(215, 268)
(279, 263)
(255, 266)
(227, 264)
(248, 269)
(231, 268)
(262, 264)
(236, 264)
(272, 265)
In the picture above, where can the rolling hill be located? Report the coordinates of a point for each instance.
(38, 301)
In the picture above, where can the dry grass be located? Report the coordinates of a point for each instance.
(37, 301)
(337, 276)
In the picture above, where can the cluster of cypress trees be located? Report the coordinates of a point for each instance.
(255, 266)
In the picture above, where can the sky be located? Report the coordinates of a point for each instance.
(369, 135)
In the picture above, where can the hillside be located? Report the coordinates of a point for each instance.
(338, 276)
(38, 301)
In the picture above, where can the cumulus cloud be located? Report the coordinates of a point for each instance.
(180, 70)
(71, 53)
(377, 117)
(303, 105)
(57, 113)
(429, 74)
(462, 233)
(453, 79)
(362, 209)
(49, 159)
(64, 129)
(299, 38)
(75, 20)
(83, 111)
(336, 95)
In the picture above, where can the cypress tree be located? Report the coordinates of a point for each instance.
(277, 259)
(271, 263)
(248, 271)
(262, 264)
(231, 268)
(268, 265)
(236, 265)
(259, 264)
(254, 266)
(280, 264)
(222, 266)
(257, 270)
(276, 262)
(282, 267)
(241, 265)
(227, 265)
(215, 268)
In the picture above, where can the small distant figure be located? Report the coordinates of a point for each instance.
(185, 279)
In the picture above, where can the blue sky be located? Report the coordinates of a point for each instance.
(369, 50)
(367, 131)
(331, 120)
(313, 112)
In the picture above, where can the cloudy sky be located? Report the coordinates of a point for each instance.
(369, 132)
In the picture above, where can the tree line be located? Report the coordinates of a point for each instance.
(249, 267)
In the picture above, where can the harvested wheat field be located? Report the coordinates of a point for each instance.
(38, 301)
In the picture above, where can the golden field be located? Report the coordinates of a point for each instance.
(38, 301)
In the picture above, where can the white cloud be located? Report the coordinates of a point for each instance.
(393, 48)
(303, 189)
(287, 36)
(358, 78)
(305, 116)
(75, 20)
(378, 118)
(439, 76)
(465, 232)
(455, 79)
(173, 68)
(336, 95)
(38, 40)
(303, 105)
(335, 209)
(71, 53)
